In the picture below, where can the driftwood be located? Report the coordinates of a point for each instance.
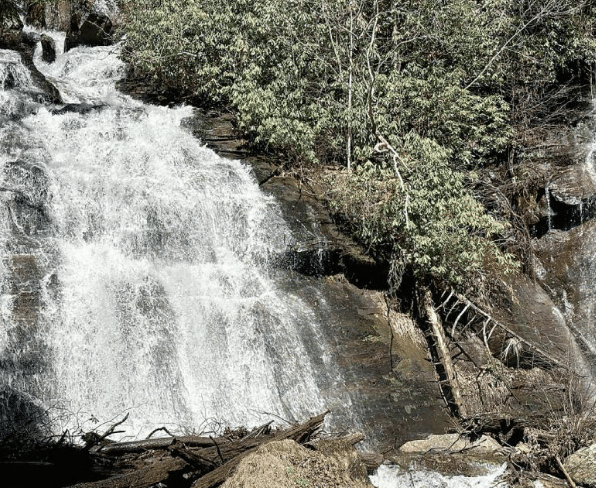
(141, 478)
(490, 324)
(149, 444)
(208, 459)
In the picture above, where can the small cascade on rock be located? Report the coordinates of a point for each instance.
(549, 210)
(12, 72)
(135, 270)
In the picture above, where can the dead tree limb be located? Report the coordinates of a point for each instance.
(489, 319)
(264, 429)
(147, 444)
(157, 430)
(437, 340)
(112, 429)
(218, 450)
(565, 472)
(192, 458)
(141, 478)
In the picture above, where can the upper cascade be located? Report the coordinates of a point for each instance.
(136, 274)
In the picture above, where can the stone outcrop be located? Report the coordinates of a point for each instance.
(575, 185)
(581, 466)
(452, 443)
(569, 270)
(87, 23)
(12, 37)
(10, 29)
(48, 47)
(88, 29)
(54, 15)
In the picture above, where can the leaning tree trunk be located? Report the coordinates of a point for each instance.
(439, 350)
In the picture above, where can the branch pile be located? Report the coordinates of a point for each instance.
(188, 461)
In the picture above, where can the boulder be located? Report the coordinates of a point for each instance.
(581, 466)
(452, 443)
(88, 29)
(48, 47)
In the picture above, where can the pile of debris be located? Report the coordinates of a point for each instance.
(293, 456)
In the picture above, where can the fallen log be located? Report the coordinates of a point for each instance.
(198, 462)
(141, 478)
(299, 433)
(448, 383)
(119, 448)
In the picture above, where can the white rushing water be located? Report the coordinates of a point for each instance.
(154, 295)
(388, 476)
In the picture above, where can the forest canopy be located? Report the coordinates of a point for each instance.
(411, 98)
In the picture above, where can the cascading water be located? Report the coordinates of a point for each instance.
(135, 271)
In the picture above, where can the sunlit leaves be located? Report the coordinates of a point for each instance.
(320, 80)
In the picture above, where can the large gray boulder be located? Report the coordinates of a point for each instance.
(576, 184)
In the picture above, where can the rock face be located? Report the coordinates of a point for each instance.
(49, 16)
(576, 184)
(581, 466)
(570, 270)
(88, 29)
(10, 29)
(22, 199)
(529, 311)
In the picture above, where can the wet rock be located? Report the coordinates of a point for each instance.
(48, 47)
(570, 272)
(88, 29)
(49, 93)
(576, 184)
(25, 187)
(525, 308)
(54, 15)
(78, 108)
(10, 27)
(24, 43)
(452, 443)
(581, 466)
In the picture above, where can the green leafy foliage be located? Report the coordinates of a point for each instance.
(412, 95)
(432, 223)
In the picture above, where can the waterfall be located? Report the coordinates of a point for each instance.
(135, 272)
